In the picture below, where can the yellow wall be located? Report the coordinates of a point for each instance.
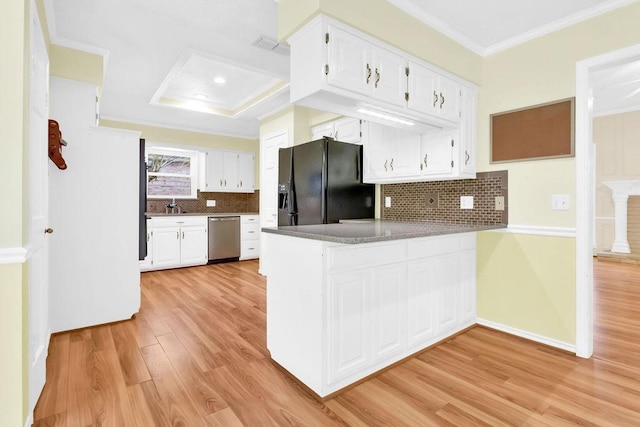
(76, 65)
(528, 283)
(183, 137)
(13, 137)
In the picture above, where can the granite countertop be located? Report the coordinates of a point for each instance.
(369, 230)
(152, 214)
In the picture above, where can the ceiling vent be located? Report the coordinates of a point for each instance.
(272, 45)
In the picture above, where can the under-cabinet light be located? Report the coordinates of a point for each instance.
(385, 116)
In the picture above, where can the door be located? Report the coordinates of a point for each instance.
(193, 247)
(389, 299)
(214, 171)
(422, 88)
(39, 328)
(449, 99)
(309, 167)
(437, 153)
(231, 182)
(246, 172)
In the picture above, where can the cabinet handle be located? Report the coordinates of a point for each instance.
(177, 235)
(225, 182)
(435, 98)
(467, 157)
(377, 78)
(252, 249)
(441, 99)
(336, 136)
(368, 73)
(385, 165)
(391, 164)
(220, 183)
(251, 232)
(425, 161)
(147, 237)
(240, 183)
(183, 235)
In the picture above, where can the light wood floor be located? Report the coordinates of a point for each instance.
(196, 355)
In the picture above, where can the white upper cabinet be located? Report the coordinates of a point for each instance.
(390, 154)
(229, 171)
(428, 91)
(339, 69)
(346, 129)
(357, 65)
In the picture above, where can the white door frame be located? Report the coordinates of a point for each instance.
(585, 192)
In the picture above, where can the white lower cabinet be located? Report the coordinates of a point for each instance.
(360, 308)
(176, 241)
(249, 237)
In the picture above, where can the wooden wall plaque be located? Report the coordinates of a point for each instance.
(539, 132)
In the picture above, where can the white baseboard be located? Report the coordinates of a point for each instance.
(29, 421)
(13, 255)
(528, 335)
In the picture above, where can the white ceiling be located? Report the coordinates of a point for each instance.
(164, 54)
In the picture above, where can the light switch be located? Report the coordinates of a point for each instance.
(387, 202)
(466, 202)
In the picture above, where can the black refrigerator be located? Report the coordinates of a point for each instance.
(320, 182)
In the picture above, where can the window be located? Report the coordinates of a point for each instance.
(171, 173)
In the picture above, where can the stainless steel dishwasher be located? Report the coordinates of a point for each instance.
(224, 238)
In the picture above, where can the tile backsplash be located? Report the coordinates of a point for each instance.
(225, 203)
(440, 200)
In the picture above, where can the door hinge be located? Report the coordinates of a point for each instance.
(406, 96)
(406, 71)
(326, 38)
(326, 69)
(451, 163)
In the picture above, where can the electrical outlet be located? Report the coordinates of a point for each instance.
(387, 202)
(499, 203)
(560, 202)
(466, 202)
(211, 203)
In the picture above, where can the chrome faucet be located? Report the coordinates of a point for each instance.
(172, 205)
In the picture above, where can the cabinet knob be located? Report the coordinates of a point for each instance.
(48, 230)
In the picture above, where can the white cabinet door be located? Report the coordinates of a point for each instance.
(422, 88)
(348, 323)
(437, 153)
(449, 99)
(230, 179)
(166, 247)
(389, 302)
(322, 130)
(421, 308)
(390, 153)
(467, 265)
(246, 172)
(389, 78)
(193, 247)
(468, 133)
(445, 279)
(347, 129)
(349, 62)
(214, 172)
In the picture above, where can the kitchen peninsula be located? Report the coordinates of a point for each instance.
(347, 300)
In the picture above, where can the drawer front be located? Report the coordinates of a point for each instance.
(250, 249)
(178, 221)
(250, 231)
(365, 255)
(250, 219)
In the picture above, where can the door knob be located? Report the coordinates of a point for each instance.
(48, 230)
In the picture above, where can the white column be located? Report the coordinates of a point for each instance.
(620, 242)
(621, 190)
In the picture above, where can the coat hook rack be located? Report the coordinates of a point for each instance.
(55, 145)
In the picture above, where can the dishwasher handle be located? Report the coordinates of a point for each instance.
(231, 218)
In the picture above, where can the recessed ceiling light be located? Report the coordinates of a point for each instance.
(220, 80)
(200, 96)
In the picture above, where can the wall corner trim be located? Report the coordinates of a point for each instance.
(528, 335)
(13, 255)
(537, 230)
